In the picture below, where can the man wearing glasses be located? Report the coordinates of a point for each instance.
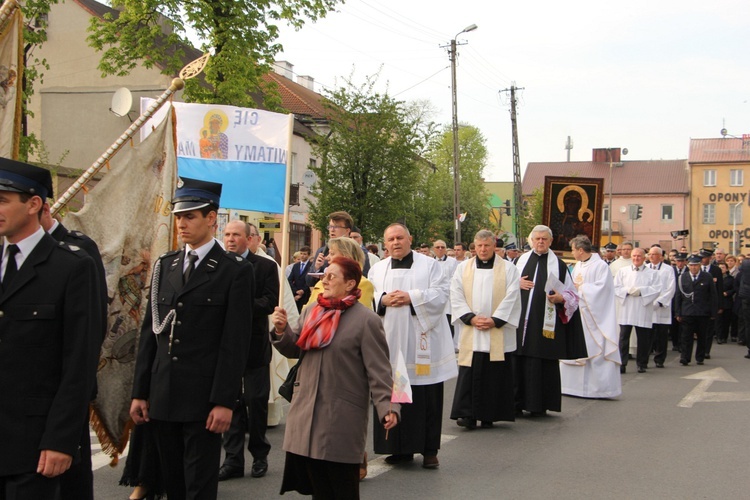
(339, 225)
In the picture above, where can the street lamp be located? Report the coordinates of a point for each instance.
(456, 179)
(611, 164)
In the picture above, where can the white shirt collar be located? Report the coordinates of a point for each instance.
(55, 223)
(25, 247)
(202, 251)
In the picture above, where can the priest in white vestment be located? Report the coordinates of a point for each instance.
(636, 288)
(662, 304)
(486, 302)
(623, 260)
(598, 375)
(411, 291)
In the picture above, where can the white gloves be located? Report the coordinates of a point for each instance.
(635, 292)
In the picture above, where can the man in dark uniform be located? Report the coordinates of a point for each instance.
(697, 303)
(193, 346)
(251, 414)
(680, 267)
(50, 332)
(609, 253)
(706, 266)
(78, 481)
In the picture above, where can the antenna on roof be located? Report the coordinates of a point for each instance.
(569, 146)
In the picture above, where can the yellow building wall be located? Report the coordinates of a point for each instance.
(719, 199)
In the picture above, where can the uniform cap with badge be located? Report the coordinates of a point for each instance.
(19, 177)
(194, 194)
(681, 256)
(610, 247)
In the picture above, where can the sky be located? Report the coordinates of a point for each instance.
(643, 75)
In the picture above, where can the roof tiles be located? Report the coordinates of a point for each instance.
(634, 177)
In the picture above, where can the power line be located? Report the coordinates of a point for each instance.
(421, 82)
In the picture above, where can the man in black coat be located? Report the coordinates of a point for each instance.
(50, 332)
(251, 413)
(706, 266)
(78, 481)
(697, 303)
(193, 346)
(298, 278)
(679, 263)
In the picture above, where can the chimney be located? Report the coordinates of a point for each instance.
(284, 68)
(605, 155)
(306, 81)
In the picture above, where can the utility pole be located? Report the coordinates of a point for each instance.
(456, 178)
(517, 193)
(569, 146)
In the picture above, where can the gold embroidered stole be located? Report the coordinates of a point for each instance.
(497, 339)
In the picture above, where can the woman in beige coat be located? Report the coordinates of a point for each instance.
(345, 359)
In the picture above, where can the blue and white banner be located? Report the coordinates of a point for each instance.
(243, 149)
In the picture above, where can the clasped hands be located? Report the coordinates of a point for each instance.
(397, 298)
(634, 291)
(482, 322)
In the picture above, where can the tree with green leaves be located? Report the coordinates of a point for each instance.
(474, 196)
(34, 34)
(370, 160)
(532, 214)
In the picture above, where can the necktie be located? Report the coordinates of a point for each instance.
(11, 268)
(192, 258)
(301, 268)
(695, 278)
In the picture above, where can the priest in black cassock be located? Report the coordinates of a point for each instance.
(550, 326)
(486, 303)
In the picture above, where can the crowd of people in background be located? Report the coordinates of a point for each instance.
(376, 336)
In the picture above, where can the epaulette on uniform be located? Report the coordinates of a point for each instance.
(169, 254)
(74, 249)
(77, 235)
(236, 258)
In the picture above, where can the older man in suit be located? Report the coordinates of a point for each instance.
(50, 332)
(193, 346)
(252, 411)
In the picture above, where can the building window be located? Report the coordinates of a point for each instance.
(709, 213)
(709, 177)
(313, 163)
(605, 217)
(735, 214)
(736, 177)
(667, 213)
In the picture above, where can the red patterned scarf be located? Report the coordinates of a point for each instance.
(322, 322)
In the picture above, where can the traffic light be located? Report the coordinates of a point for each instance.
(507, 207)
(639, 212)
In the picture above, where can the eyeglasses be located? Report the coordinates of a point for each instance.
(252, 235)
(439, 247)
(335, 227)
(328, 277)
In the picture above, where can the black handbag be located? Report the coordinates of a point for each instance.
(286, 390)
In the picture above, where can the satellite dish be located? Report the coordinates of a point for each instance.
(624, 151)
(623, 209)
(122, 101)
(309, 178)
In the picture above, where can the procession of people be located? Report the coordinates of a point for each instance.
(516, 330)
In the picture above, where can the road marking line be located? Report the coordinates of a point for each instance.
(378, 466)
